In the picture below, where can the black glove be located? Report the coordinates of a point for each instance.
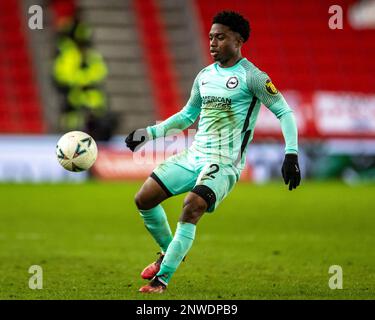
(136, 139)
(290, 171)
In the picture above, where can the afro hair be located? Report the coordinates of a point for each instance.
(235, 22)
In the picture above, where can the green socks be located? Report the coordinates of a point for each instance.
(177, 250)
(156, 223)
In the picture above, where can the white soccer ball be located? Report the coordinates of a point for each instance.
(76, 151)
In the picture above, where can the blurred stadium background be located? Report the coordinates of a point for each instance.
(109, 67)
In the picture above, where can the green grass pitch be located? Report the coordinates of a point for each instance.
(263, 242)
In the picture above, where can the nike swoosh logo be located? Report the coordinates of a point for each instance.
(203, 83)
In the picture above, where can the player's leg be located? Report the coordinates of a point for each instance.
(172, 177)
(212, 187)
(194, 208)
(148, 201)
(150, 194)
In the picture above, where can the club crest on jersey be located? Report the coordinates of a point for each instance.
(232, 83)
(270, 87)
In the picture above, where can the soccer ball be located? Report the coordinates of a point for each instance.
(76, 151)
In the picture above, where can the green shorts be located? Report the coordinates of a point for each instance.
(185, 172)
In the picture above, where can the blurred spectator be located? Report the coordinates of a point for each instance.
(79, 71)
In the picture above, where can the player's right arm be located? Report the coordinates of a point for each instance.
(179, 121)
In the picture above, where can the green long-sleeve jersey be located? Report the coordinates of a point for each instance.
(228, 101)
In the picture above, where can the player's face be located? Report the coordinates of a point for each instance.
(224, 43)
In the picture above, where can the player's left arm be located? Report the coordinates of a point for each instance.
(263, 88)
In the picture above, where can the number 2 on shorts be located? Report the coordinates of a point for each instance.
(214, 168)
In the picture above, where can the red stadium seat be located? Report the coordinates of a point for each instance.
(298, 37)
(157, 56)
(20, 109)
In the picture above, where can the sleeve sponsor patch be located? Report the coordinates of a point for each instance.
(270, 87)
